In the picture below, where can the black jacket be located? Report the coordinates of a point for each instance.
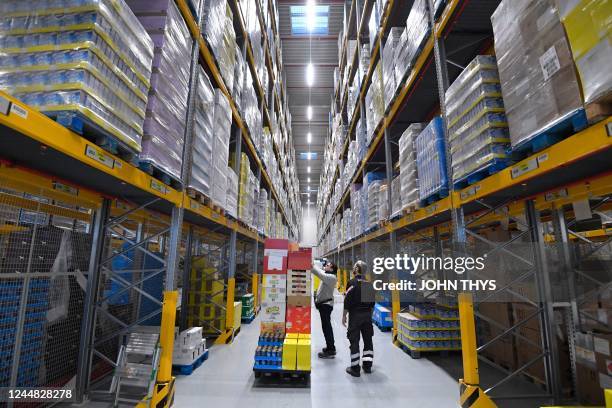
(359, 295)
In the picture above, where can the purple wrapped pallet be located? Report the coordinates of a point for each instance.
(164, 128)
(203, 138)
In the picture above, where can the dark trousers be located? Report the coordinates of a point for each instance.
(360, 324)
(325, 311)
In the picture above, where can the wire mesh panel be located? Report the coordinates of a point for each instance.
(208, 283)
(45, 247)
(132, 271)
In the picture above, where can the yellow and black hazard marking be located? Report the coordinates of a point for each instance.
(472, 396)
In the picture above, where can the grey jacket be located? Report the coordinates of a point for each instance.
(327, 286)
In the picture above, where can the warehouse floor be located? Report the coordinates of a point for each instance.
(226, 378)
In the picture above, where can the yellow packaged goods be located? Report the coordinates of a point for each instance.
(290, 354)
(303, 355)
(588, 29)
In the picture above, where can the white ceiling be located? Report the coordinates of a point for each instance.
(322, 51)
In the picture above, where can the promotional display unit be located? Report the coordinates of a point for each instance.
(286, 295)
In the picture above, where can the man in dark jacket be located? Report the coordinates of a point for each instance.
(358, 307)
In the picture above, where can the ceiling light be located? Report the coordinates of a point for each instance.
(310, 74)
(308, 156)
(308, 169)
(309, 112)
(309, 179)
(311, 15)
(309, 137)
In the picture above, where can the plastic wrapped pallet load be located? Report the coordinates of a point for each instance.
(232, 193)
(383, 202)
(431, 161)
(409, 191)
(396, 196)
(538, 79)
(164, 126)
(219, 31)
(202, 149)
(96, 69)
(588, 29)
(475, 115)
(222, 126)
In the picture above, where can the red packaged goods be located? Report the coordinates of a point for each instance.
(275, 256)
(297, 319)
(300, 259)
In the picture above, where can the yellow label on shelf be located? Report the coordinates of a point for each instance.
(524, 168)
(65, 188)
(100, 156)
(159, 186)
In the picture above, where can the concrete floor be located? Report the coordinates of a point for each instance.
(226, 378)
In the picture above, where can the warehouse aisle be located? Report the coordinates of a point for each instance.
(226, 379)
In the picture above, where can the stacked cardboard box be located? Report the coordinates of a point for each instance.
(164, 126)
(538, 78)
(396, 196)
(428, 333)
(475, 115)
(411, 39)
(203, 139)
(274, 285)
(373, 202)
(383, 202)
(430, 150)
(248, 306)
(188, 346)
(245, 191)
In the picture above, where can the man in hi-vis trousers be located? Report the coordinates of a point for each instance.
(358, 307)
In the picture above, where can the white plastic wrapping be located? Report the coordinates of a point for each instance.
(88, 57)
(409, 190)
(201, 164)
(537, 73)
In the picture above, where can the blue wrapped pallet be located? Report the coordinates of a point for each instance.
(431, 162)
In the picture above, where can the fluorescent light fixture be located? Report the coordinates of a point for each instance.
(310, 74)
(309, 112)
(308, 169)
(309, 179)
(308, 156)
(309, 137)
(311, 15)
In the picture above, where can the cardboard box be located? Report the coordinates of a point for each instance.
(502, 351)
(273, 294)
(298, 319)
(588, 385)
(274, 280)
(292, 336)
(300, 259)
(275, 256)
(191, 337)
(303, 354)
(272, 327)
(290, 354)
(304, 301)
(602, 344)
(273, 312)
(304, 336)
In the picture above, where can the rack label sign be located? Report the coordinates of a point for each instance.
(555, 195)
(524, 168)
(5, 106)
(19, 111)
(158, 186)
(194, 205)
(65, 188)
(99, 156)
(469, 192)
(431, 209)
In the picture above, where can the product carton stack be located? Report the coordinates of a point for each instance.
(388, 68)
(429, 327)
(222, 128)
(412, 39)
(231, 206)
(274, 286)
(219, 31)
(538, 78)
(396, 196)
(593, 366)
(111, 96)
(375, 102)
(245, 193)
(298, 320)
(189, 347)
(408, 168)
(203, 137)
(164, 126)
(477, 125)
(430, 150)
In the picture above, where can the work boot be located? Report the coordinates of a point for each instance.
(327, 354)
(367, 369)
(329, 351)
(354, 371)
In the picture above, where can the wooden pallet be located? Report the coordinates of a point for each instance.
(162, 175)
(199, 197)
(600, 110)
